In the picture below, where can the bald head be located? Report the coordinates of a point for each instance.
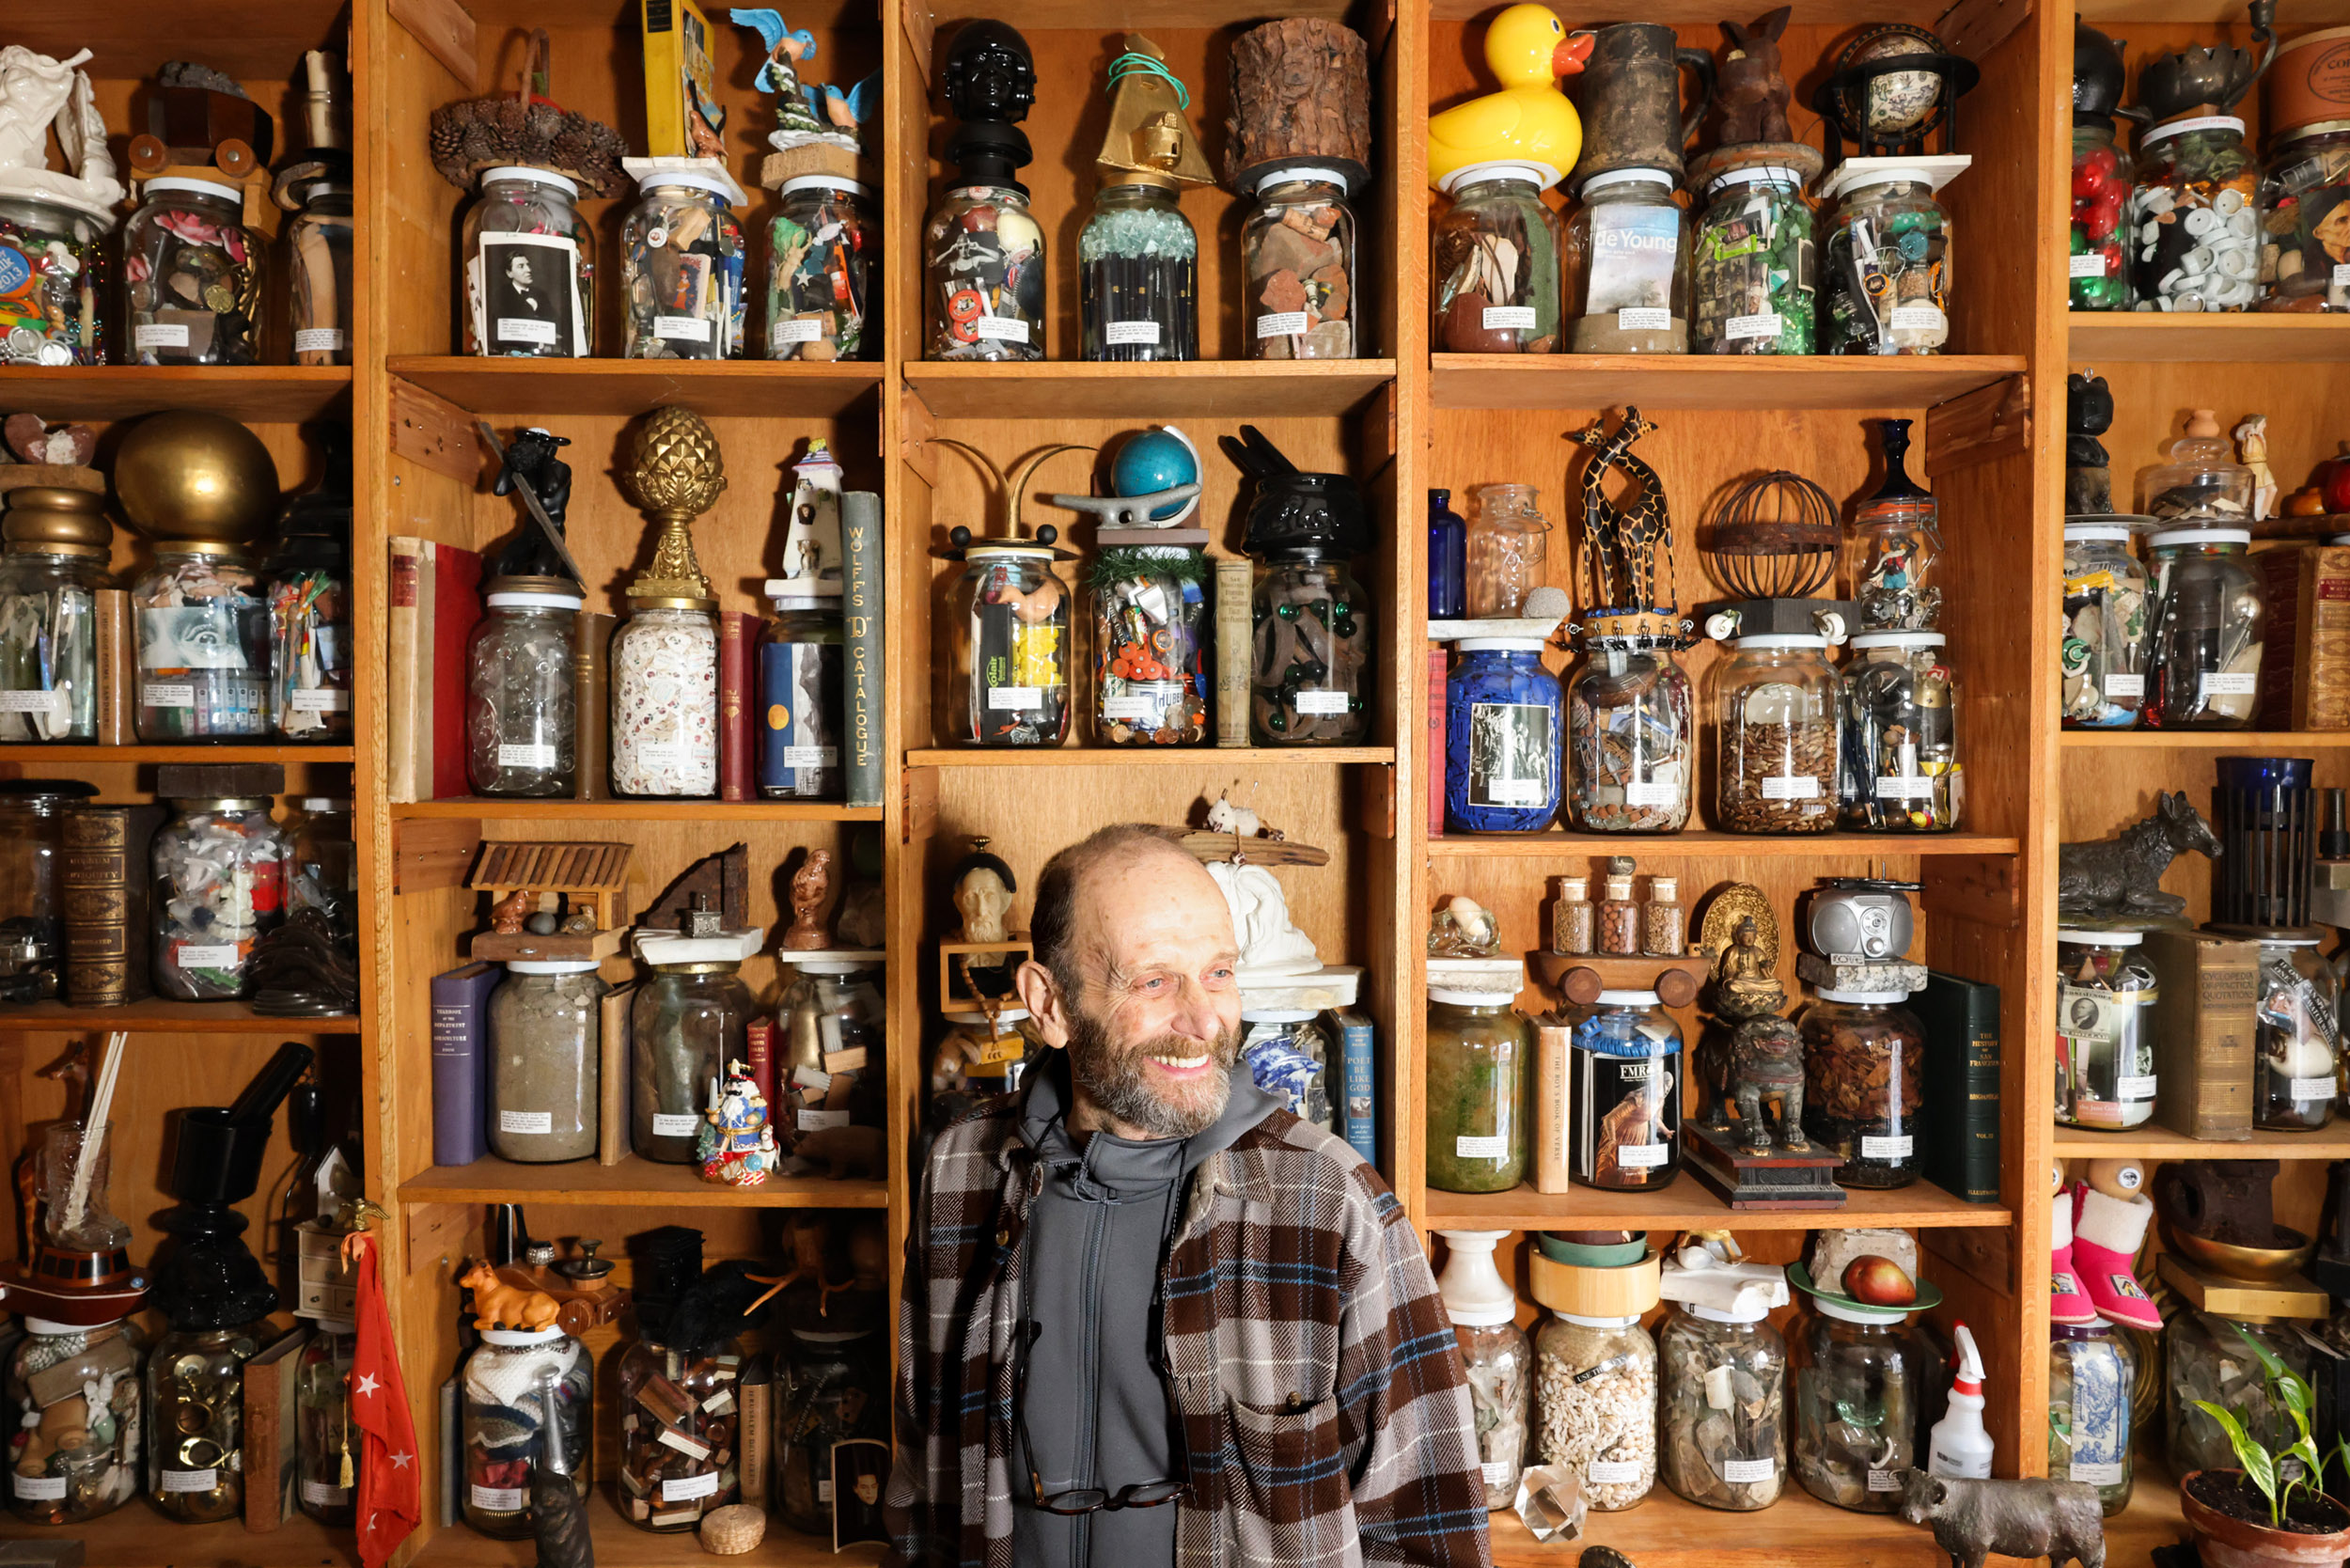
(1061, 922)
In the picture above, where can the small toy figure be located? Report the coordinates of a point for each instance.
(1529, 120)
(499, 1305)
(812, 889)
(506, 916)
(816, 115)
(983, 890)
(36, 93)
(2088, 472)
(1752, 88)
(2123, 875)
(2252, 440)
(735, 1144)
(812, 558)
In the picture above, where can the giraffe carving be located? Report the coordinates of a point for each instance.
(1622, 539)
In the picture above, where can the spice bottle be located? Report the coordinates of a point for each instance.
(1624, 1062)
(194, 277)
(1505, 737)
(1497, 1355)
(522, 722)
(1478, 1117)
(1494, 260)
(1626, 265)
(1664, 924)
(1755, 275)
(1722, 1376)
(1297, 267)
(1506, 548)
(1619, 916)
(682, 262)
(1573, 921)
(530, 268)
(2104, 1060)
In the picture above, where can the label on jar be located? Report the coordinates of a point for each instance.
(320, 699)
(31, 702)
(692, 1448)
(1512, 760)
(500, 1499)
(999, 698)
(2125, 686)
(801, 717)
(321, 341)
(1886, 1147)
(525, 1121)
(1612, 1472)
(321, 1494)
(811, 757)
(1143, 700)
(162, 694)
(39, 1488)
(1496, 1472)
(1322, 704)
(1643, 791)
(521, 329)
(2105, 1474)
(1642, 1155)
(1281, 323)
(675, 1126)
(218, 955)
(160, 334)
(1762, 325)
(2141, 1087)
(2310, 1088)
(1717, 1386)
(2088, 264)
(1904, 789)
(535, 755)
(1800, 786)
(1480, 1148)
(1001, 328)
(1508, 318)
(823, 1489)
(1918, 317)
(1644, 317)
(687, 329)
(1627, 1105)
(1885, 1480)
(2229, 683)
(200, 1481)
(821, 1120)
(719, 1404)
(1746, 1472)
(2341, 274)
(800, 329)
(1115, 332)
(686, 1488)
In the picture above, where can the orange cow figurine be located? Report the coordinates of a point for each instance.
(499, 1305)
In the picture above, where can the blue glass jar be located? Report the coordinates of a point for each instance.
(1623, 1066)
(1505, 737)
(1447, 558)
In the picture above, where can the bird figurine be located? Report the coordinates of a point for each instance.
(1529, 120)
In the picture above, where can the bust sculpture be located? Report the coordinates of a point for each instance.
(36, 92)
(1269, 944)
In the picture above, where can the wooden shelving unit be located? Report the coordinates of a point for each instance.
(2156, 337)
(1707, 843)
(476, 808)
(748, 388)
(1689, 1203)
(1509, 381)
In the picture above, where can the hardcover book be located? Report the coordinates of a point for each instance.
(408, 687)
(271, 1429)
(591, 729)
(461, 1064)
(1354, 1099)
(1435, 743)
(1962, 1086)
(2305, 648)
(2205, 1032)
(103, 878)
(682, 115)
(434, 603)
(738, 635)
(1234, 584)
(117, 652)
(862, 628)
(612, 1145)
(1552, 1161)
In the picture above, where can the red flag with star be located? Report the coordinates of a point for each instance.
(391, 1479)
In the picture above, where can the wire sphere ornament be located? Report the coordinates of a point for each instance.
(1776, 537)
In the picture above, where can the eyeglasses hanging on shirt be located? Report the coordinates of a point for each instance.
(1083, 1500)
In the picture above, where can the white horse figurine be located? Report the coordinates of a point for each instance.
(36, 92)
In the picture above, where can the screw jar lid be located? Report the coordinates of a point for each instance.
(213, 188)
(1297, 173)
(1754, 175)
(1869, 998)
(1627, 998)
(563, 182)
(1755, 1312)
(539, 591)
(2102, 938)
(1471, 998)
(323, 802)
(1504, 645)
(825, 182)
(1626, 176)
(51, 1327)
(1582, 1322)
(550, 966)
(2152, 135)
(1277, 1015)
(692, 179)
(1540, 176)
(2118, 527)
(1003, 1015)
(2201, 536)
(1857, 174)
(521, 1335)
(1900, 639)
(1771, 641)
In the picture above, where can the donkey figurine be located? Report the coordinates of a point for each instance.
(2123, 875)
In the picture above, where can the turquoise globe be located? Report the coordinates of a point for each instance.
(1152, 461)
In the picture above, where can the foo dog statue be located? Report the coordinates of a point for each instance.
(2123, 875)
(36, 92)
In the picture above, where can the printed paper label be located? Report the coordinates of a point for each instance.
(525, 1121)
(2143, 1088)
(2088, 264)
(533, 756)
(1636, 1156)
(1131, 332)
(320, 1494)
(692, 1448)
(1885, 1480)
(218, 956)
(2230, 683)
(823, 1489)
(1612, 1472)
(1327, 703)
(32, 702)
(2125, 686)
(38, 1488)
(1508, 318)
(1480, 1148)
(1644, 317)
(320, 699)
(1282, 323)
(800, 329)
(1015, 697)
(156, 694)
(1002, 329)
(500, 1499)
(1904, 789)
(686, 1488)
(1886, 1147)
(1496, 1472)
(689, 329)
(1146, 700)
(674, 1126)
(523, 329)
(719, 1404)
(1918, 317)
(811, 757)
(2107, 1474)
(321, 341)
(2313, 1088)
(1802, 787)
(2341, 274)
(823, 1120)
(161, 334)
(1645, 793)
(1737, 328)
(1746, 1472)
(200, 1481)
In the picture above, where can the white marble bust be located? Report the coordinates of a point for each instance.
(1269, 944)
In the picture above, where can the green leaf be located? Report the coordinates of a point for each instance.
(2257, 1467)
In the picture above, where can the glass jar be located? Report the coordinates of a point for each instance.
(1889, 264)
(2204, 1357)
(1499, 1357)
(1478, 1120)
(1505, 550)
(193, 273)
(204, 646)
(1011, 646)
(503, 1414)
(309, 639)
(2192, 210)
(530, 268)
(803, 699)
(1723, 1381)
(1626, 270)
(2305, 225)
(1494, 259)
(1894, 552)
(32, 893)
(2198, 483)
(2104, 648)
(686, 1024)
(542, 1042)
(2210, 614)
(2297, 1044)
(1309, 683)
(823, 253)
(1861, 1386)
(664, 700)
(1298, 291)
(1623, 1061)
(2101, 250)
(326, 1452)
(1864, 1065)
(55, 283)
(2091, 1379)
(2104, 1057)
(318, 272)
(195, 1402)
(1150, 638)
(323, 860)
(74, 1412)
(1447, 559)
(49, 640)
(1138, 275)
(1505, 737)
(681, 268)
(1289, 1052)
(1777, 706)
(983, 271)
(521, 720)
(1902, 771)
(220, 885)
(831, 1388)
(680, 1434)
(1595, 1402)
(1755, 278)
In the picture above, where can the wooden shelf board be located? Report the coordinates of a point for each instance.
(1577, 381)
(157, 1016)
(2158, 337)
(756, 388)
(2265, 743)
(36, 756)
(1796, 1531)
(637, 810)
(136, 1536)
(1808, 13)
(621, 1545)
(1706, 841)
(267, 40)
(631, 1183)
(1205, 758)
(1211, 389)
(257, 394)
(2161, 1143)
(2153, 1517)
(1689, 1203)
(2306, 14)
(1095, 15)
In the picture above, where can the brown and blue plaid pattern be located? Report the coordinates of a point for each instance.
(1314, 1369)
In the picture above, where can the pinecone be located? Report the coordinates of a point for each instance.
(446, 142)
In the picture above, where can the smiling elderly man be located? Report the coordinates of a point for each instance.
(1149, 1316)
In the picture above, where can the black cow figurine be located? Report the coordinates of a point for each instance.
(2059, 1520)
(2123, 875)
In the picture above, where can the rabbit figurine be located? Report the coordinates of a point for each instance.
(1751, 89)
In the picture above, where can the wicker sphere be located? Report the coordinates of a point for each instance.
(736, 1528)
(191, 474)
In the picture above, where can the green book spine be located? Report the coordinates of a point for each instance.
(1962, 1085)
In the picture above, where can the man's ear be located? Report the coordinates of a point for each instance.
(1039, 992)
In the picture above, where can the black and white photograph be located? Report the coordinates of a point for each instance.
(1509, 759)
(527, 294)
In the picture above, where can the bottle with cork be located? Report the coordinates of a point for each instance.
(1664, 924)
(1619, 916)
(1572, 920)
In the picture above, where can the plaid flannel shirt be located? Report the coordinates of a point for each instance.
(1324, 1412)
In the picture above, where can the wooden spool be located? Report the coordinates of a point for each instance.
(1270, 124)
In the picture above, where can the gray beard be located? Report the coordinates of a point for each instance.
(1112, 1076)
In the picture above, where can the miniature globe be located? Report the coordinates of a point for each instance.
(188, 475)
(1897, 103)
(1151, 461)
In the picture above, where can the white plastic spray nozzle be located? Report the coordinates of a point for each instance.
(1970, 1378)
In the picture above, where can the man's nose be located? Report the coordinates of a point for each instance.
(1195, 1015)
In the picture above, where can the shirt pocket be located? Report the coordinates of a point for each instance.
(1290, 1500)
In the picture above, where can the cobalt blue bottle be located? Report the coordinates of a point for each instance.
(1447, 558)
(1505, 736)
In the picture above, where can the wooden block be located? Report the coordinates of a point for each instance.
(1990, 423)
(440, 1233)
(1581, 976)
(2205, 1032)
(2293, 1297)
(1984, 888)
(432, 853)
(1982, 1252)
(920, 430)
(432, 432)
(446, 29)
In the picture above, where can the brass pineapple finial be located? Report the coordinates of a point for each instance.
(674, 473)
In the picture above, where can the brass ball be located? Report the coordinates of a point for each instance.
(191, 474)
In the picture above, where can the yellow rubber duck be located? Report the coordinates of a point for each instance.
(1529, 120)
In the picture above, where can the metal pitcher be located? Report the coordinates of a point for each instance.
(1629, 96)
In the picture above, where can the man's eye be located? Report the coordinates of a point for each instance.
(1156, 982)
(1219, 977)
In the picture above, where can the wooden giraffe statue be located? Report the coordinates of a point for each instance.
(1623, 539)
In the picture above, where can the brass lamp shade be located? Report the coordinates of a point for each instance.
(192, 476)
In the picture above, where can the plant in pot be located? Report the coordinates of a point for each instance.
(2274, 1512)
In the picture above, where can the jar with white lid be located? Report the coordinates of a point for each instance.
(2092, 1377)
(2304, 219)
(1289, 1054)
(219, 887)
(72, 1407)
(2297, 1039)
(192, 276)
(504, 1390)
(1299, 297)
(1722, 1388)
(2195, 242)
(1497, 1355)
(1478, 1119)
(1755, 280)
(1623, 1063)
(203, 634)
(1626, 266)
(1493, 257)
(681, 267)
(1595, 1404)
(685, 1025)
(1779, 726)
(1902, 771)
(823, 257)
(665, 700)
(522, 719)
(2107, 616)
(530, 268)
(2104, 1057)
(1888, 256)
(543, 1040)
(1864, 1063)
(1010, 643)
(323, 860)
(2210, 614)
(1631, 731)
(1505, 737)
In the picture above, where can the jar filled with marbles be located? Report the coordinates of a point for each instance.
(219, 886)
(1012, 643)
(1902, 771)
(543, 1038)
(1888, 256)
(1309, 683)
(680, 1433)
(1150, 631)
(318, 259)
(193, 276)
(1631, 731)
(682, 266)
(1289, 1054)
(530, 267)
(1298, 295)
(2211, 616)
(1595, 1404)
(983, 270)
(2304, 219)
(1864, 1067)
(522, 721)
(1494, 260)
(686, 1024)
(1479, 1076)
(203, 626)
(55, 283)
(1754, 270)
(1138, 275)
(823, 255)
(2106, 999)
(803, 698)
(665, 700)
(196, 1409)
(74, 1446)
(49, 629)
(505, 1388)
(1779, 713)
(1893, 551)
(1722, 1388)
(1623, 1065)
(309, 646)
(2092, 1377)
(1860, 1381)
(2207, 1360)
(2297, 1046)
(2105, 623)
(1507, 545)
(1505, 737)
(325, 1446)
(2193, 218)
(1626, 266)
(2102, 247)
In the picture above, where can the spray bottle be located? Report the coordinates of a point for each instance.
(1960, 1448)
